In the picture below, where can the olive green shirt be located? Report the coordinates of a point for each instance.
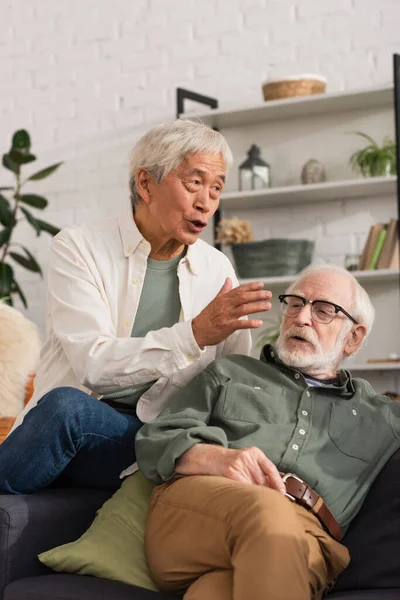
(337, 438)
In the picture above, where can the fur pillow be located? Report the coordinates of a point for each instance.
(19, 356)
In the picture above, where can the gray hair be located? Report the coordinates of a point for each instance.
(165, 146)
(362, 309)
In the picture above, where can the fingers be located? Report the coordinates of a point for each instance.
(274, 479)
(226, 287)
(239, 296)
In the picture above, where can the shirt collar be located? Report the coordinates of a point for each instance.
(132, 239)
(270, 355)
(130, 235)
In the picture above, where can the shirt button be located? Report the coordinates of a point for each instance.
(297, 376)
(308, 394)
(191, 357)
(354, 411)
(295, 447)
(305, 413)
(272, 354)
(129, 249)
(126, 323)
(136, 281)
(156, 373)
(257, 388)
(301, 431)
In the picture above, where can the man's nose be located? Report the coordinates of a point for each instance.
(304, 316)
(202, 202)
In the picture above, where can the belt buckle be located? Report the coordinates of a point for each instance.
(284, 478)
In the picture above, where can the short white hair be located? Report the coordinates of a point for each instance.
(362, 309)
(165, 146)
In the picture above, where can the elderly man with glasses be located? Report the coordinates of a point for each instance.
(262, 464)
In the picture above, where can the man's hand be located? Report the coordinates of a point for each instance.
(221, 317)
(248, 465)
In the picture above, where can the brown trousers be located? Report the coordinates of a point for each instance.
(224, 540)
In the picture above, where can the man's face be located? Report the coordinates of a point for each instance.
(306, 344)
(182, 205)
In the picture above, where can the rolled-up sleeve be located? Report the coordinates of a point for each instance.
(180, 426)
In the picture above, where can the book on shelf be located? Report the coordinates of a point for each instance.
(389, 246)
(381, 250)
(370, 245)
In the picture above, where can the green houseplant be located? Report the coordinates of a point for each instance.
(13, 209)
(374, 160)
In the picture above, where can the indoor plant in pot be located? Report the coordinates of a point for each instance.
(374, 160)
(13, 209)
(265, 258)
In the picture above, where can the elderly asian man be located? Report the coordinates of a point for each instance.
(137, 306)
(262, 464)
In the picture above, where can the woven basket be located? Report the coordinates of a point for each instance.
(288, 88)
(272, 258)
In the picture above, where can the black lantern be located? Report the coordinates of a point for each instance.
(254, 172)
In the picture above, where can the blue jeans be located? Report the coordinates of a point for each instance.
(72, 435)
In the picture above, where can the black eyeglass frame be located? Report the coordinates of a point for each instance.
(304, 301)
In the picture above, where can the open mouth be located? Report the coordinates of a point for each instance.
(197, 225)
(298, 338)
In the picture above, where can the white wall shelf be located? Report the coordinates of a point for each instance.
(362, 276)
(306, 106)
(317, 192)
(389, 366)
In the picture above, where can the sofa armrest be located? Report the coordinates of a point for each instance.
(30, 524)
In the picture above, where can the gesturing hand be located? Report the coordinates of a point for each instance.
(221, 317)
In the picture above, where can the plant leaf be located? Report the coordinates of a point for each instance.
(367, 137)
(21, 140)
(6, 280)
(29, 263)
(9, 164)
(5, 236)
(31, 219)
(6, 214)
(33, 200)
(52, 229)
(21, 157)
(17, 290)
(44, 172)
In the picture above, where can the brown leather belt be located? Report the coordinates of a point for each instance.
(298, 491)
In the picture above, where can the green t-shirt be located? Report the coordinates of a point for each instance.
(159, 306)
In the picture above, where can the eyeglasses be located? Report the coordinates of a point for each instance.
(322, 311)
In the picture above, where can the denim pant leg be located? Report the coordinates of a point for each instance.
(68, 431)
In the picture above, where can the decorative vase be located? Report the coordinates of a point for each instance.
(313, 172)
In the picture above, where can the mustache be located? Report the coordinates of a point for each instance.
(303, 332)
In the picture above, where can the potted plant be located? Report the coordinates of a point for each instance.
(13, 209)
(374, 160)
(265, 258)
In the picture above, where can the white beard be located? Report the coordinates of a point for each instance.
(318, 360)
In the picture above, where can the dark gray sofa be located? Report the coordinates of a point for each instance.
(34, 523)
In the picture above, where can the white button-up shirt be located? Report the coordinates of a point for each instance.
(95, 279)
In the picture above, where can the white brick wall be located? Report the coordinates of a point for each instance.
(87, 77)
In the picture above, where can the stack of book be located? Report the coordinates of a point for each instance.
(381, 250)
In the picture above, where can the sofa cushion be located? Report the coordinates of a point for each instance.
(373, 538)
(77, 587)
(113, 546)
(32, 523)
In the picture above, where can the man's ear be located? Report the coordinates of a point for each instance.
(143, 181)
(355, 339)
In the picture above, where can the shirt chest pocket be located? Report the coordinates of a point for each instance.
(354, 433)
(254, 404)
